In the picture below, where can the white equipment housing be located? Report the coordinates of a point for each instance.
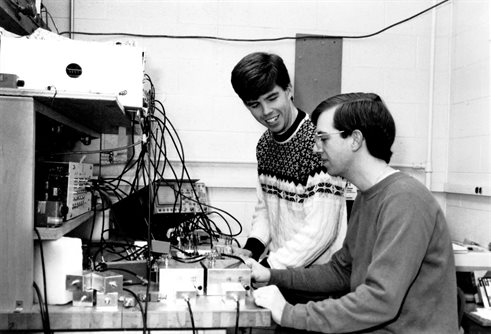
(76, 66)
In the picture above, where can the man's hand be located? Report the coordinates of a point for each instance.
(241, 252)
(260, 274)
(271, 298)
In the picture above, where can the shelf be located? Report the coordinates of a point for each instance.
(23, 113)
(472, 261)
(100, 113)
(467, 189)
(53, 233)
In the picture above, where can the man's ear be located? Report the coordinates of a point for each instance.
(357, 140)
(289, 91)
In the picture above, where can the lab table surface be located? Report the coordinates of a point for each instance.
(481, 320)
(207, 312)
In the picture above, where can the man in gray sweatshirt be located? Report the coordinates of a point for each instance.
(396, 263)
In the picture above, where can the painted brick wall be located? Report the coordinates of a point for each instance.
(469, 133)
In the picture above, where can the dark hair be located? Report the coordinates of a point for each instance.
(258, 73)
(365, 112)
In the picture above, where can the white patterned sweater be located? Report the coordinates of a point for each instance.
(301, 209)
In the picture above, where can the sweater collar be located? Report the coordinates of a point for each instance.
(288, 133)
(376, 188)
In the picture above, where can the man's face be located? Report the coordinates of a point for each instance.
(334, 149)
(274, 109)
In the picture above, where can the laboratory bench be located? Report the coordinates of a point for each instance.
(209, 312)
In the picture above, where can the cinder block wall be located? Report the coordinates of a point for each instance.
(469, 133)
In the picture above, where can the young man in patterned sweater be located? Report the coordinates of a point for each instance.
(300, 216)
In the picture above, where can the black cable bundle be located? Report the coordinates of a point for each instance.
(145, 170)
(190, 314)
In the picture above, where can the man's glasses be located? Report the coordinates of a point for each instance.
(321, 137)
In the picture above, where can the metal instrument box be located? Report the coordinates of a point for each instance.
(107, 300)
(74, 282)
(234, 291)
(83, 297)
(107, 282)
(218, 272)
(181, 197)
(63, 182)
(180, 280)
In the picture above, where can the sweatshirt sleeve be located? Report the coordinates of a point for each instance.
(403, 229)
(331, 277)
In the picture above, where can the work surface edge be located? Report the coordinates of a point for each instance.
(208, 312)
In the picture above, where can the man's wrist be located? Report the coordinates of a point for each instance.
(256, 247)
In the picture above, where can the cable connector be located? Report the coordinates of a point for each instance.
(142, 279)
(144, 112)
(187, 295)
(234, 291)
